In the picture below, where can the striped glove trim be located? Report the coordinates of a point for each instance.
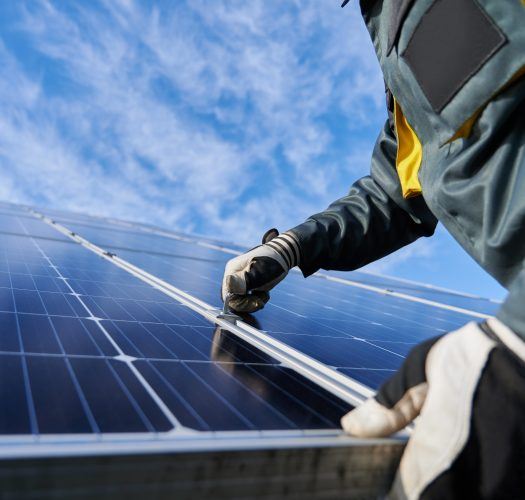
(287, 245)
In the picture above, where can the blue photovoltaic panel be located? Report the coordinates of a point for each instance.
(362, 333)
(233, 396)
(87, 348)
(82, 221)
(104, 234)
(10, 209)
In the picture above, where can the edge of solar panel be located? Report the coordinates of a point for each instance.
(315, 472)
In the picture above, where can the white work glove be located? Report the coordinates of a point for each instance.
(468, 389)
(249, 277)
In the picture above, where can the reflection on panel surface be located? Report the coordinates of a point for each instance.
(232, 396)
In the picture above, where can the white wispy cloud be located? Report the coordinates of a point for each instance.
(222, 117)
(203, 116)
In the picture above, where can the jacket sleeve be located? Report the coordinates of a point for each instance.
(371, 221)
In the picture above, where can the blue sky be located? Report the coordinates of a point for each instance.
(220, 117)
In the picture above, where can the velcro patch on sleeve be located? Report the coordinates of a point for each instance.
(452, 41)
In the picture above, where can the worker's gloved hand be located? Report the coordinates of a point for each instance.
(249, 277)
(467, 387)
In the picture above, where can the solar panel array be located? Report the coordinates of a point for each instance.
(88, 348)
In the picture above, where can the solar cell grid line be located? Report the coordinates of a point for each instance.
(66, 360)
(28, 395)
(76, 360)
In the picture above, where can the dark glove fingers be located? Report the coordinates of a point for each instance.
(411, 374)
(249, 303)
(262, 270)
(398, 401)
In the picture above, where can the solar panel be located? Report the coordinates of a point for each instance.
(199, 269)
(88, 348)
(10, 224)
(364, 332)
(133, 239)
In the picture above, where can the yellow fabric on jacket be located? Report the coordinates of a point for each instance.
(409, 154)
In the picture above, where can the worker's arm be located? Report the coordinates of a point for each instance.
(371, 221)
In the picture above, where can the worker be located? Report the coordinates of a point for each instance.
(453, 150)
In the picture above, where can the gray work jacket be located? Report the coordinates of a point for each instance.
(454, 67)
